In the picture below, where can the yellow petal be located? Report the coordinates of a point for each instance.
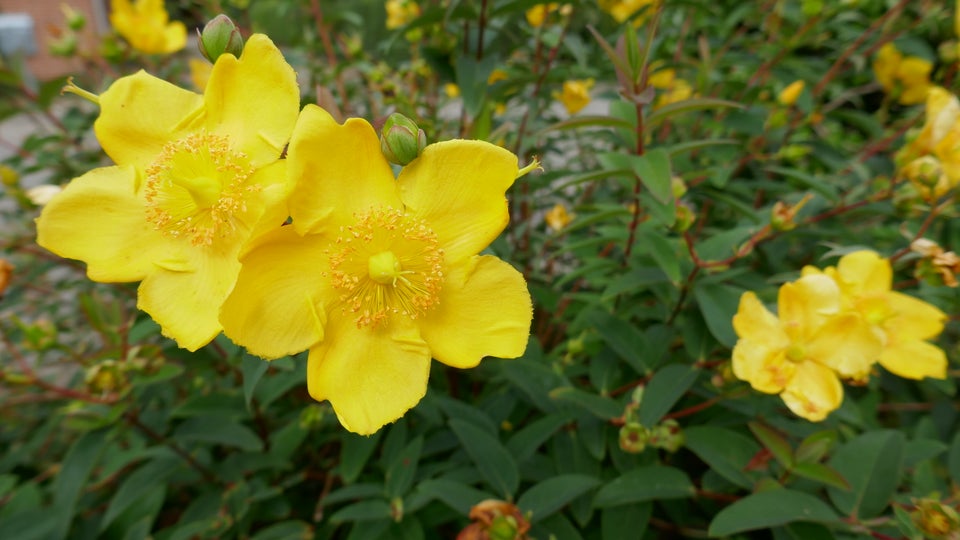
(485, 310)
(99, 219)
(803, 305)
(185, 301)
(915, 94)
(814, 392)
(338, 169)
(847, 344)
(754, 320)
(370, 376)
(885, 65)
(864, 272)
(765, 367)
(139, 114)
(459, 187)
(174, 37)
(913, 318)
(254, 100)
(275, 307)
(914, 360)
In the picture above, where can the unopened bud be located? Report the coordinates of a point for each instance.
(789, 95)
(678, 187)
(75, 19)
(8, 176)
(65, 45)
(685, 216)
(220, 36)
(633, 438)
(105, 378)
(401, 141)
(947, 51)
(311, 416)
(782, 215)
(667, 436)
(935, 518)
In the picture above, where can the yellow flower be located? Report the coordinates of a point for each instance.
(575, 95)
(909, 76)
(662, 79)
(195, 177)
(497, 75)
(557, 217)
(621, 10)
(451, 90)
(400, 13)
(537, 14)
(904, 323)
(679, 91)
(199, 72)
(375, 274)
(145, 25)
(931, 160)
(800, 353)
(789, 95)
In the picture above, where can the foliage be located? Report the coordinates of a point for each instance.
(687, 180)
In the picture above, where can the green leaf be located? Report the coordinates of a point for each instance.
(653, 169)
(456, 495)
(871, 464)
(600, 406)
(823, 187)
(362, 511)
(778, 446)
(218, 430)
(770, 509)
(687, 105)
(354, 454)
(815, 446)
(626, 521)
(73, 475)
(552, 494)
(953, 459)
(624, 338)
(663, 391)
(401, 472)
(726, 452)
(648, 483)
(252, 368)
(586, 121)
(663, 250)
(920, 450)
(718, 303)
(491, 458)
(141, 482)
(285, 530)
(525, 442)
(821, 473)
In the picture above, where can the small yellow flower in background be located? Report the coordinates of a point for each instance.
(662, 78)
(931, 161)
(451, 90)
(146, 26)
(908, 76)
(400, 13)
(497, 75)
(378, 274)
(558, 217)
(537, 14)
(575, 95)
(944, 264)
(802, 352)
(195, 177)
(200, 71)
(621, 10)
(673, 89)
(904, 323)
(789, 95)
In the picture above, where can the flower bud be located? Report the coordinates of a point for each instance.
(667, 435)
(311, 416)
(633, 438)
(75, 19)
(8, 176)
(935, 518)
(782, 215)
(789, 95)
(107, 377)
(220, 36)
(65, 45)
(401, 141)
(685, 216)
(947, 51)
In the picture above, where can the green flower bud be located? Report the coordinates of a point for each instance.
(633, 438)
(65, 45)
(667, 435)
(75, 19)
(220, 36)
(401, 141)
(312, 416)
(8, 176)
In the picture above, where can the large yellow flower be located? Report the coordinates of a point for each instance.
(904, 323)
(800, 353)
(195, 176)
(375, 275)
(146, 26)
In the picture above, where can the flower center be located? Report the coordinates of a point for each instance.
(196, 187)
(386, 264)
(796, 353)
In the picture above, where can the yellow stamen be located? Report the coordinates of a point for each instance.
(386, 264)
(196, 188)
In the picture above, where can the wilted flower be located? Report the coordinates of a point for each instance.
(196, 177)
(575, 95)
(495, 520)
(936, 261)
(376, 275)
(146, 26)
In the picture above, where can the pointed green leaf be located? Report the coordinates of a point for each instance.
(141, 482)
(778, 446)
(727, 452)
(252, 368)
(871, 464)
(491, 458)
(218, 430)
(550, 495)
(821, 473)
(663, 391)
(73, 475)
(648, 483)
(653, 169)
(770, 509)
(815, 446)
(600, 406)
